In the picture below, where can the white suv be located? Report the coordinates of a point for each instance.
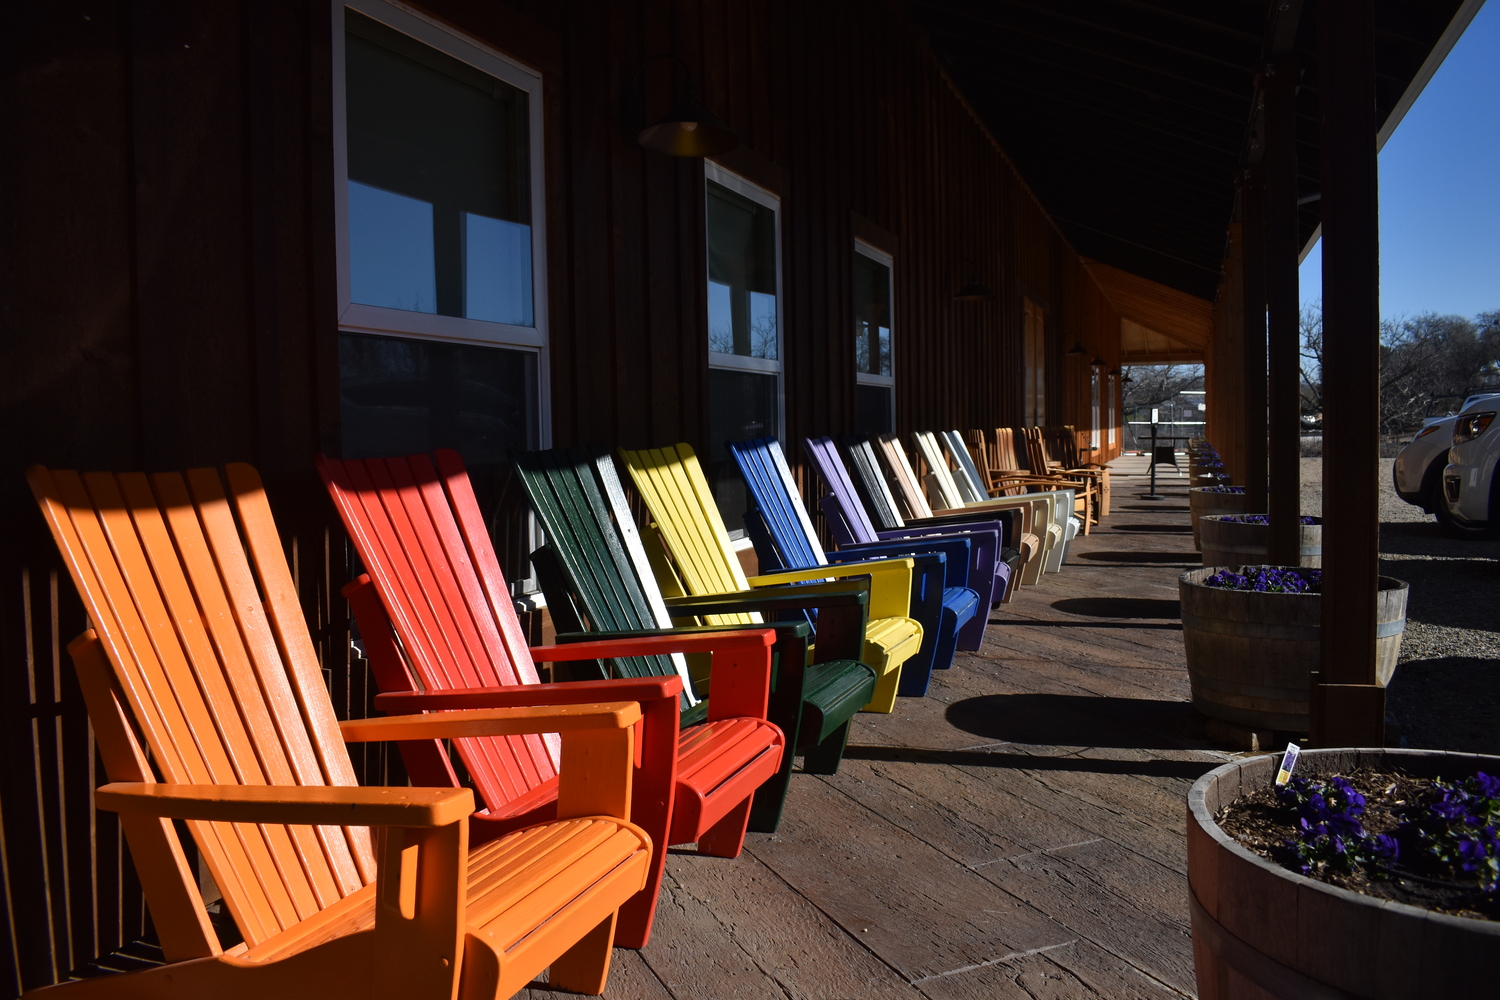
(1418, 469)
(1469, 508)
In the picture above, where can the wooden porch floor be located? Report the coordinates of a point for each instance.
(1017, 833)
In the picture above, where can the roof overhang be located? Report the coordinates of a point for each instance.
(1158, 325)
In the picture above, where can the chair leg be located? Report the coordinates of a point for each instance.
(770, 797)
(826, 756)
(584, 968)
(726, 838)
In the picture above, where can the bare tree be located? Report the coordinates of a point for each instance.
(1426, 362)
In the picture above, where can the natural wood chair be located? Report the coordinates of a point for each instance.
(690, 548)
(199, 656)
(1061, 451)
(438, 625)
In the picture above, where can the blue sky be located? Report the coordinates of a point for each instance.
(1440, 189)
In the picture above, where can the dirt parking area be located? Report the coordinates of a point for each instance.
(1446, 692)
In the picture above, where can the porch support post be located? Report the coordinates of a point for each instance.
(1348, 706)
(1282, 309)
(1253, 284)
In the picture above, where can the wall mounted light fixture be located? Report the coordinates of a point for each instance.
(688, 129)
(973, 290)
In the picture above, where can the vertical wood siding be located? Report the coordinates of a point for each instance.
(173, 301)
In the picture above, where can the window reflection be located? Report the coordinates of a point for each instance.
(439, 187)
(744, 407)
(872, 316)
(402, 397)
(741, 275)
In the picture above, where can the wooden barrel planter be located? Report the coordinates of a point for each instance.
(1249, 655)
(1234, 543)
(1204, 502)
(1261, 931)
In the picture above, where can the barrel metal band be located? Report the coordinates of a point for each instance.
(1255, 965)
(1261, 630)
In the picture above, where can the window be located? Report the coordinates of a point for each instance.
(442, 295)
(744, 327)
(1094, 407)
(1033, 365)
(875, 388)
(1112, 380)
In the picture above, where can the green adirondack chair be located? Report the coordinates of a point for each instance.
(597, 577)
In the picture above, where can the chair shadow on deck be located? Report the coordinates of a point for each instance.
(1189, 770)
(1154, 529)
(1118, 557)
(1118, 607)
(1080, 721)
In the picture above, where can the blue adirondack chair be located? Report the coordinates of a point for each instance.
(850, 522)
(784, 538)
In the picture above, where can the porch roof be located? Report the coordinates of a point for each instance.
(1131, 119)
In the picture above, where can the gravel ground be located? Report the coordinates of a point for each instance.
(1446, 691)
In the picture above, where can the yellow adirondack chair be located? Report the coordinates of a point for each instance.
(691, 554)
(199, 651)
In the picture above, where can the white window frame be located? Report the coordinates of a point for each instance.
(739, 362)
(1113, 379)
(865, 378)
(1096, 396)
(356, 317)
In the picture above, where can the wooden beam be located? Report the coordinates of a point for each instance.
(1350, 705)
(1252, 203)
(1284, 433)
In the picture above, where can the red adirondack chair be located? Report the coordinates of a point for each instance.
(440, 631)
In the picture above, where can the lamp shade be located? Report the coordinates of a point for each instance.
(1098, 362)
(1075, 351)
(689, 129)
(974, 291)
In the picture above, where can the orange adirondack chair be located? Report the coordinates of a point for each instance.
(199, 650)
(439, 628)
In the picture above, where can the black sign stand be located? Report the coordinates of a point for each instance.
(1153, 495)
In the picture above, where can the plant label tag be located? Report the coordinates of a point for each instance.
(1288, 764)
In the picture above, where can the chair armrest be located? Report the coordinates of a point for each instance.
(639, 689)
(493, 722)
(738, 641)
(955, 550)
(313, 805)
(843, 594)
(741, 664)
(890, 583)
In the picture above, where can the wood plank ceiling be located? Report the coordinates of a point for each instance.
(1132, 119)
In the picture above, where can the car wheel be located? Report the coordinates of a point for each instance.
(1461, 528)
(1432, 499)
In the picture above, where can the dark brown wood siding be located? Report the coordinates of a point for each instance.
(168, 299)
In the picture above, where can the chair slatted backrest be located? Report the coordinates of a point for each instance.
(423, 541)
(214, 662)
(1062, 443)
(579, 501)
(965, 472)
(949, 493)
(1036, 451)
(1007, 458)
(871, 473)
(774, 493)
(831, 469)
(672, 483)
(908, 486)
